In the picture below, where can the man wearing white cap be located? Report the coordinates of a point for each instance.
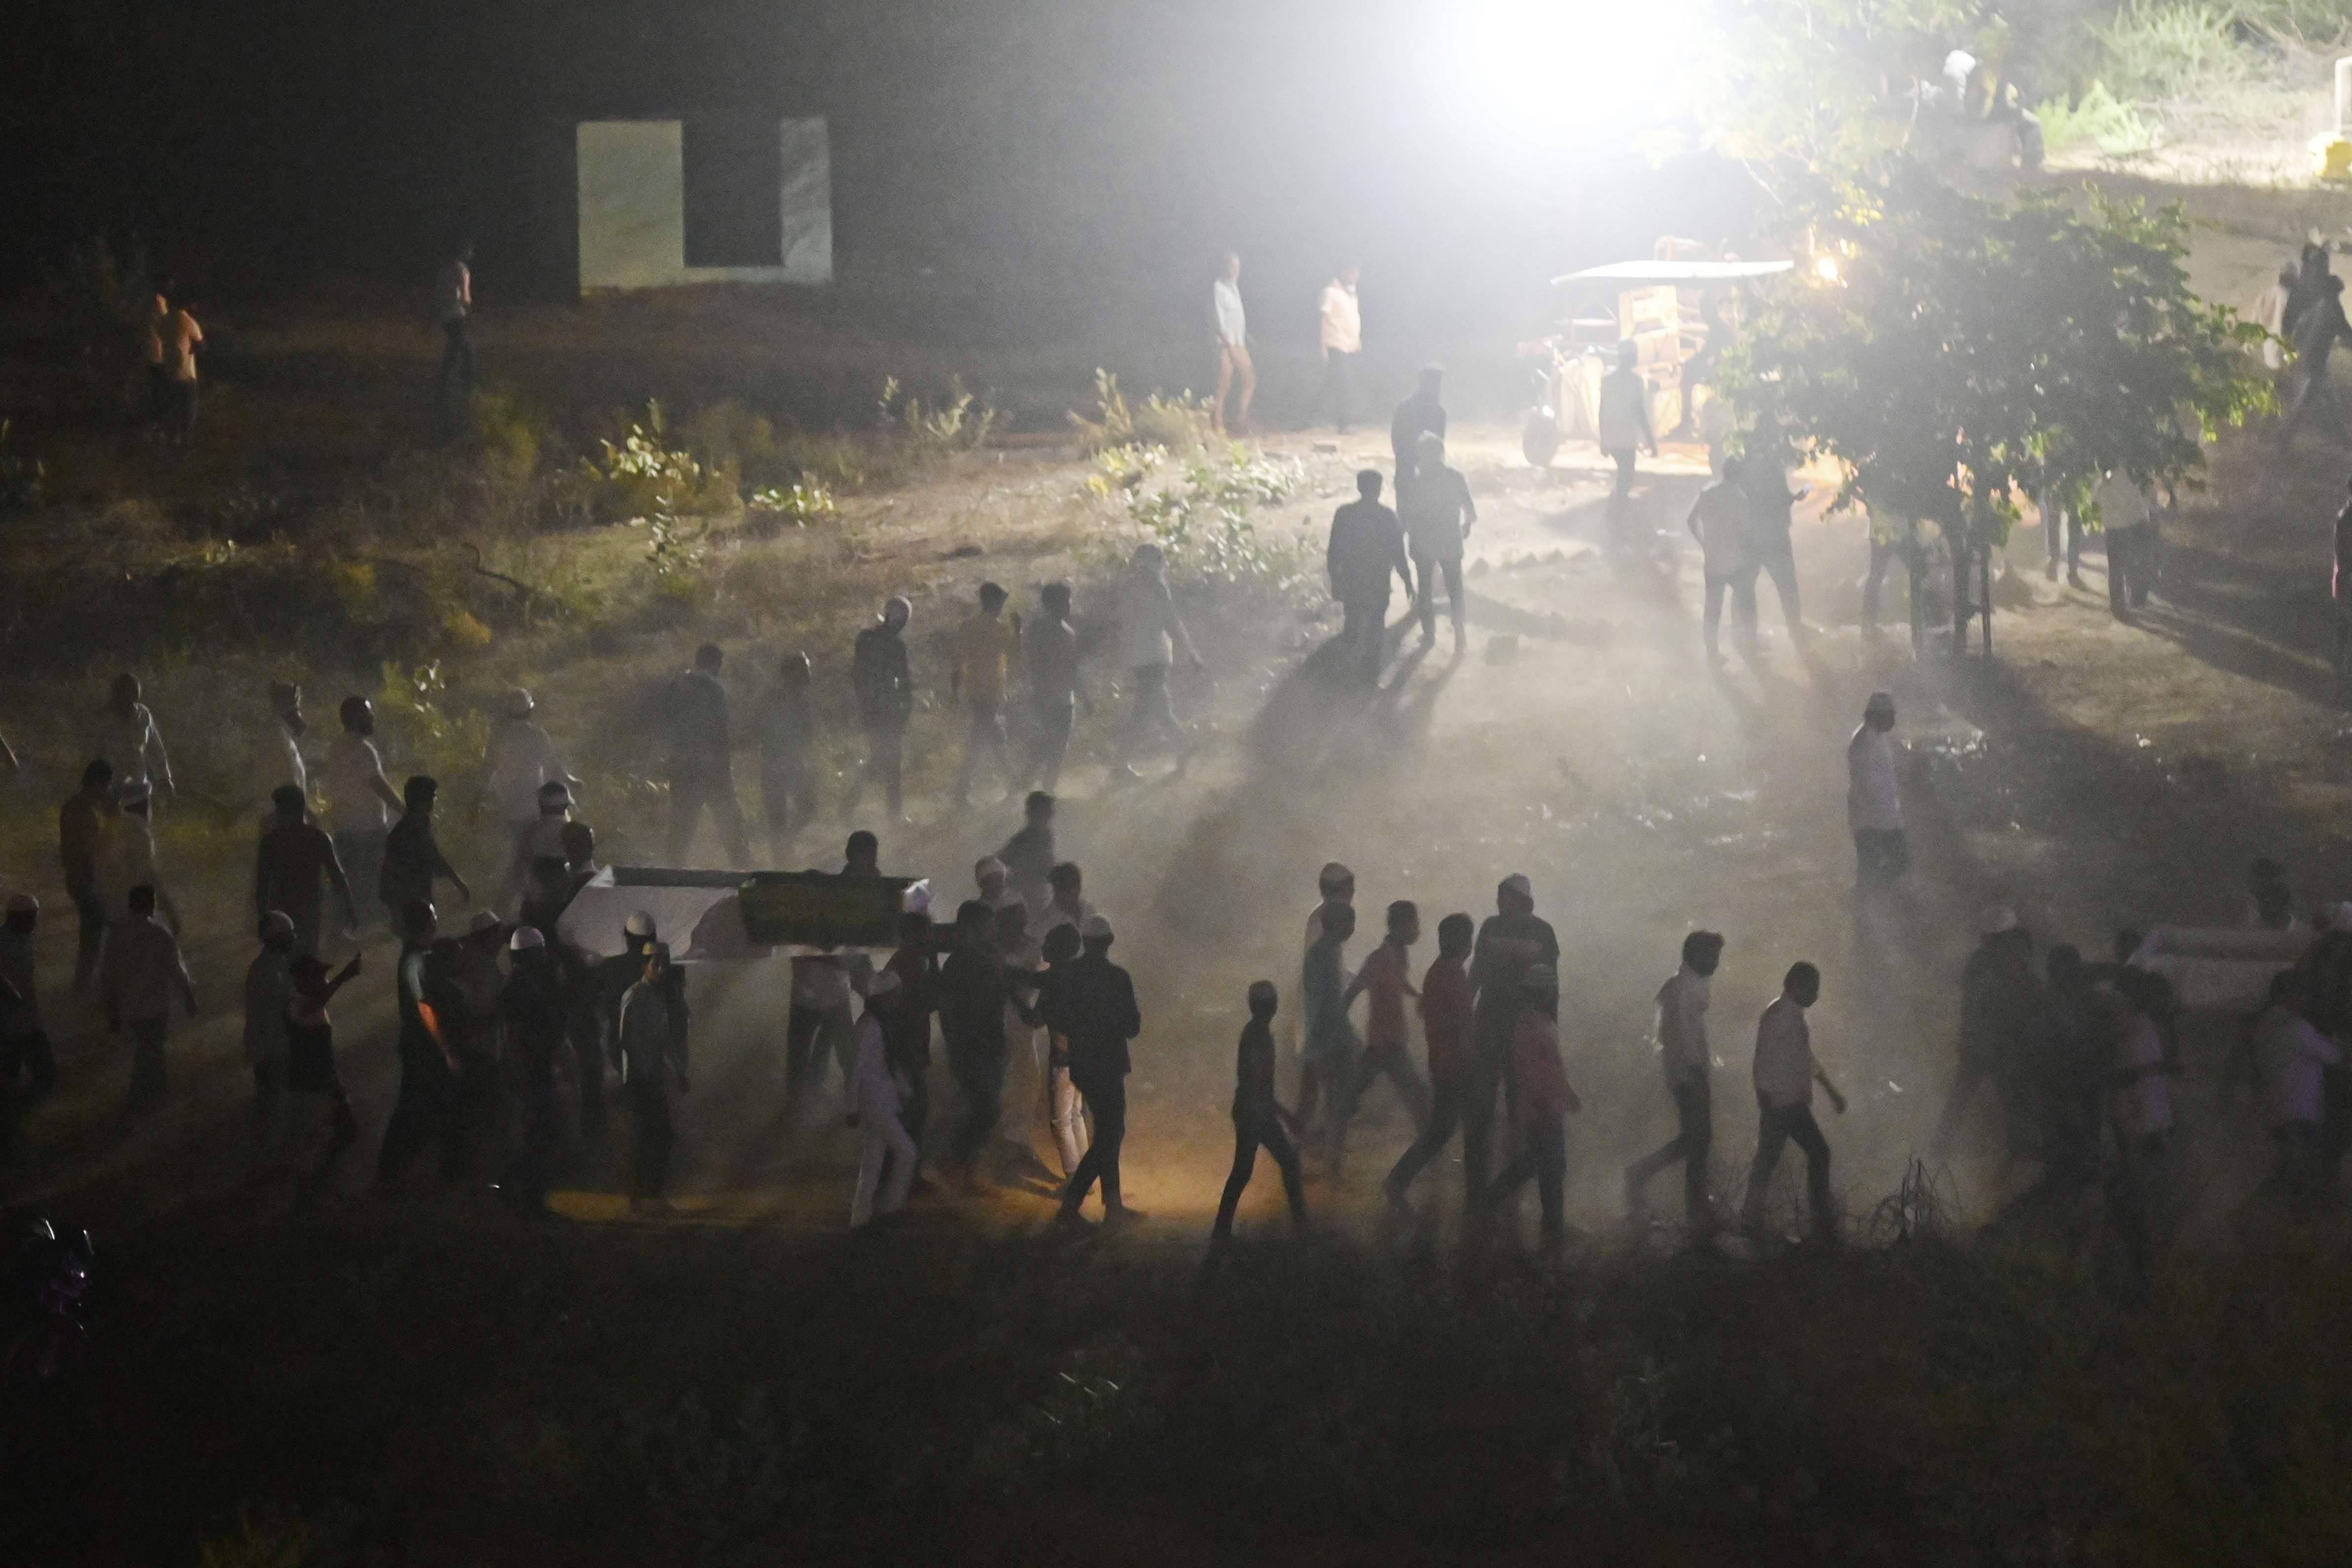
(538, 847)
(875, 1095)
(610, 978)
(1096, 1007)
(1874, 802)
(519, 758)
(28, 1069)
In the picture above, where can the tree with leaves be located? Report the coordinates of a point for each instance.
(1954, 356)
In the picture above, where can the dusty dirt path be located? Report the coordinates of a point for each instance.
(2093, 774)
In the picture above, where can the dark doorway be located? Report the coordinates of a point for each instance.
(733, 173)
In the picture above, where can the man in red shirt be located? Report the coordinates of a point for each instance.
(1387, 1044)
(1541, 1103)
(1445, 1022)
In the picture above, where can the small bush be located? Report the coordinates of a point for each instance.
(1204, 523)
(1181, 424)
(2100, 118)
(678, 550)
(796, 505)
(957, 421)
(642, 474)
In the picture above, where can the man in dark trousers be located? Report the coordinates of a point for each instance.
(1419, 415)
(702, 759)
(428, 1110)
(906, 1027)
(650, 1051)
(975, 986)
(1367, 547)
(2316, 332)
(1437, 513)
(81, 832)
(1624, 427)
(1511, 940)
(453, 305)
(1446, 1025)
(1098, 1009)
(1770, 501)
(1260, 1121)
(1541, 1102)
(884, 687)
(413, 860)
(295, 853)
(531, 1015)
(2339, 589)
(1785, 1074)
(1683, 1052)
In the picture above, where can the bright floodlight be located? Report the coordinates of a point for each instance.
(1558, 70)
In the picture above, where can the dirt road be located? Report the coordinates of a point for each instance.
(2094, 775)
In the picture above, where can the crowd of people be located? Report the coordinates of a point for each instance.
(1021, 991)
(1020, 986)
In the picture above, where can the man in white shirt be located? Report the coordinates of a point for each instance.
(1683, 1052)
(129, 738)
(1343, 339)
(361, 802)
(286, 707)
(1785, 1075)
(453, 305)
(1873, 801)
(2128, 519)
(1236, 380)
(1154, 632)
(1623, 421)
(2292, 1058)
(518, 765)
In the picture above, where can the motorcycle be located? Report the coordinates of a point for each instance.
(44, 1312)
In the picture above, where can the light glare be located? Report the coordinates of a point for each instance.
(1555, 71)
